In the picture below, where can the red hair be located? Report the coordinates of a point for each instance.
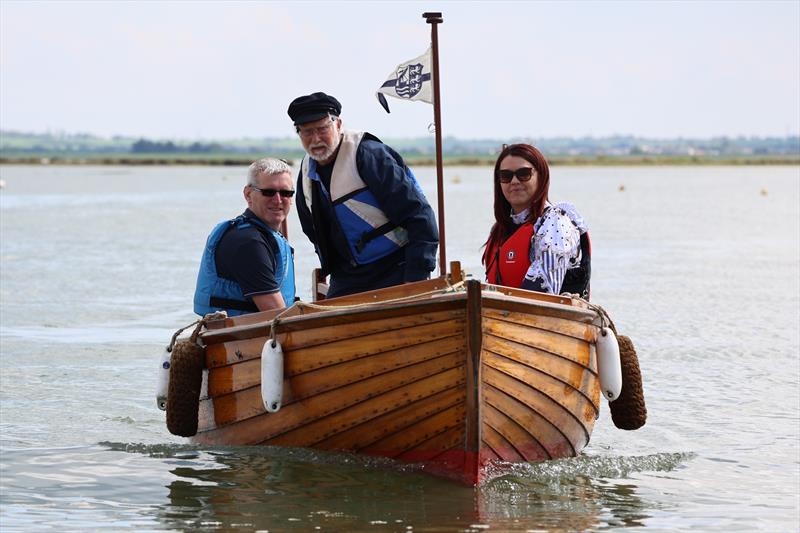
(502, 209)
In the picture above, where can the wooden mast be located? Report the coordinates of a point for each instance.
(434, 19)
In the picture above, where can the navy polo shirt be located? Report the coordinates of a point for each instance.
(248, 256)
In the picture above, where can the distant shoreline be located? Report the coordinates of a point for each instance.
(457, 160)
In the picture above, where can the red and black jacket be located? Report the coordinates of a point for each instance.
(507, 262)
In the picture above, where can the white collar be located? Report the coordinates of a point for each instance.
(521, 217)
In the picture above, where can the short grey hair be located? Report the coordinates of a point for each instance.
(269, 166)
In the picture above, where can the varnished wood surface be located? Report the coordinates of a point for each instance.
(303, 319)
(356, 404)
(509, 377)
(390, 302)
(474, 333)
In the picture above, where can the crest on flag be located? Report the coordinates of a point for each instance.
(410, 80)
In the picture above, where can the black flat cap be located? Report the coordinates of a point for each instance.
(304, 109)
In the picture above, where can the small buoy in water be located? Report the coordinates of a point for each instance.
(763, 192)
(621, 188)
(456, 179)
(162, 382)
(272, 375)
(608, 364)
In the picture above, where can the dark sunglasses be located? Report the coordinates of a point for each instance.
(523, 174)
(272, 192)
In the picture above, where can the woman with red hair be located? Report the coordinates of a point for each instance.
(534, 244)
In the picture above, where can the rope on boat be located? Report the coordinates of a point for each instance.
(451, 287)
(200, 322)
(175, 335)
(605, 319)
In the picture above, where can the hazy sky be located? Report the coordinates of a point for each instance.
(539, 69)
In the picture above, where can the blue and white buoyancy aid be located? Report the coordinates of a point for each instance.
(214, 293)
(369, 233)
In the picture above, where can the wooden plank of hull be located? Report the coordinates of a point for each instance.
(570, 328)
(568, 348)
(300, 317)
(236, 351)
(396, 389)
(522, 402)
(325, 335)
(433, 449)
(418, 441)
(306, 359)
(508, 440)
(558, 376)
(399, 291)
(540, 432)
(394, 351)
(389, 406)
(383, 426)
(302, 383)
(501, 448)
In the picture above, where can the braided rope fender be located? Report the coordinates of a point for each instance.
(185, 382)
(628, 411)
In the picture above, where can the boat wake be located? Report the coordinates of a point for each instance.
(591, 466)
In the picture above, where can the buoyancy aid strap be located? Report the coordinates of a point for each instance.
(238, 305)
(344, 177)
(374, 234)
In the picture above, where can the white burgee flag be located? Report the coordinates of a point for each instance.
(410, 81)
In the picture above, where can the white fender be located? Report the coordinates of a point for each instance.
(162, 380)
(608, 363)
(272, 375)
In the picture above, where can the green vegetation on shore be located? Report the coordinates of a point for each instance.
(237, 159)
(84, 149)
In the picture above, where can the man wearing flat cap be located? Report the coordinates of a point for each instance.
(359, 203)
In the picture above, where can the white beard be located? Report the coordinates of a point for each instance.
(327, 154)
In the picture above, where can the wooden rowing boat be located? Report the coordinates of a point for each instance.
(457, 376)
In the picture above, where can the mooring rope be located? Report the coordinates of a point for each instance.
(200, 322)
(605, 318)
(175, 335)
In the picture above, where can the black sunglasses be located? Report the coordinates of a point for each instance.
(523, 174)
(272, 192)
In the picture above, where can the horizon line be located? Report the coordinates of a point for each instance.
(65, 133)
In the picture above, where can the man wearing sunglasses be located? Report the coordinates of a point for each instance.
(359, 203)
(247, 264)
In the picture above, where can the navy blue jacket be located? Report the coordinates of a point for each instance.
(384, 172)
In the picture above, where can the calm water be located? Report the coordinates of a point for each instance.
(700, 266)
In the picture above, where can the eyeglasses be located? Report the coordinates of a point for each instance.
(308, 133)
(272, 192)
(523, 174)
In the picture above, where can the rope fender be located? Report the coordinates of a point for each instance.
(186, 379)
(628, 411)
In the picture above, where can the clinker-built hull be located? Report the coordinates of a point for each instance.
(456, 378)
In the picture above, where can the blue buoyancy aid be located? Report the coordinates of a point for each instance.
(369, 233)
(214, 293)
